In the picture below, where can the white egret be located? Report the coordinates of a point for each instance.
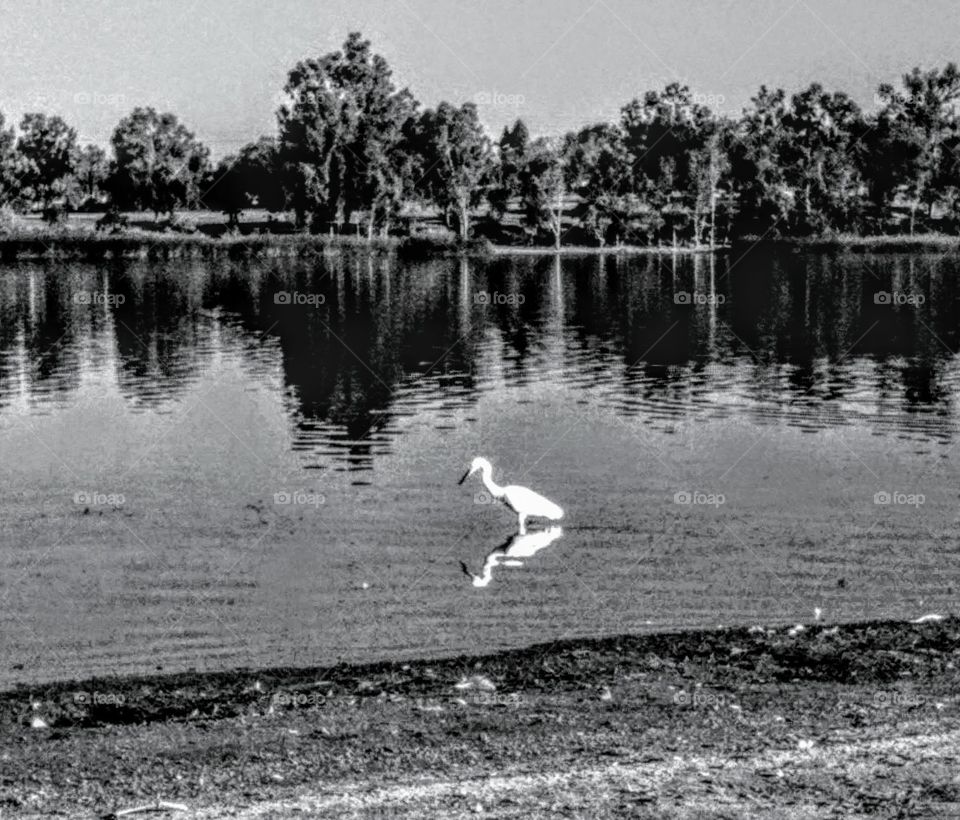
(510, 552)
(522, 500)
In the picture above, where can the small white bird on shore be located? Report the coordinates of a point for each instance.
(522, 500)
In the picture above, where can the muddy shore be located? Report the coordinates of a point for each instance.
(855, 720)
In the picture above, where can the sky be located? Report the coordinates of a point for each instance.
(559, 64)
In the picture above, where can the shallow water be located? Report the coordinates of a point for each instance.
(197, 474)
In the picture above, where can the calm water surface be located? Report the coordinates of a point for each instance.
(212, 465)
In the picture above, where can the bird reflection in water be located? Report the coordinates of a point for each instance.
(511, 551)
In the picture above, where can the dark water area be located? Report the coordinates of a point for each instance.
(219, 464)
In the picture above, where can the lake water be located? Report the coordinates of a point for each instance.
(217, 465)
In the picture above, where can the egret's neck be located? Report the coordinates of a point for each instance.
(494, 489)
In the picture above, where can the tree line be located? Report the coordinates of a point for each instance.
(352, 149)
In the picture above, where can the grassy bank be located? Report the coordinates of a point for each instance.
(133, 245)
(919, 243)
(144, 240)
(855, 720)
(608, 250)
(140, 245)
(137, 244)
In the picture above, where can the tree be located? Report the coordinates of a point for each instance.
(821, 157)
(710, 173)
(457, 159)
(758, 165)
(543, 185)
(259, 166)
(511, 156)
(9, 165)
(91, 171)
(910, 135)
(341, 135)
(158, 163)
(48, 149)
(947, 181)
(598, 170)
(250, 179)
(663, 133)
(390, 164)
(224, 189)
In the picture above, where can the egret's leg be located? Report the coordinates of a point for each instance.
(523, 523)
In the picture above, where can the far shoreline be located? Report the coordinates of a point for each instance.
(78, 245)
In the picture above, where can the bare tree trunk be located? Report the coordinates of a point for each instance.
(370, 222)
(464, 222)
(559, 215)
(713, 217)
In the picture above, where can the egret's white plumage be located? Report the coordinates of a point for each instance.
(510, 552)
(522, 500)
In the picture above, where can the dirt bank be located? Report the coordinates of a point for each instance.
(850, 721)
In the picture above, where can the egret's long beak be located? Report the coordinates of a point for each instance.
(466, 475)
